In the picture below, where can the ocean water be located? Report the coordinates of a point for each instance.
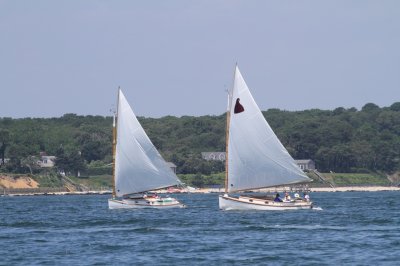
(354, 228)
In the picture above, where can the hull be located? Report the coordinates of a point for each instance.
(227, 202)
(155, 203)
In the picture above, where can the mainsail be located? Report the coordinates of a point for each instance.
(139, 166)
(256, 158)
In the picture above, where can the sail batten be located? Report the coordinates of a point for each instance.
(257, 159)
(139, 167)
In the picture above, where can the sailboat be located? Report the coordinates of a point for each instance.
(255, 158)
(137, 165)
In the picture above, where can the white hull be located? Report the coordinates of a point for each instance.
(227, 202)
(157, 203)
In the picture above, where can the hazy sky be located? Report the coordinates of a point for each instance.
(177, 57)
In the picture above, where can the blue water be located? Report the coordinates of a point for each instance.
(354, 228)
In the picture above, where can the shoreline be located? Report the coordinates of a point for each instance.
(355, 188)
(218, 190)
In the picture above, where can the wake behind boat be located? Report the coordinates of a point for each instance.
(137, 165)
(255, 158)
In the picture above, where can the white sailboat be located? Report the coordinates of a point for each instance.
(255, 158)
(137, 165)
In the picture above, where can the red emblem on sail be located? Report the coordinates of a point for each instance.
(238, 107)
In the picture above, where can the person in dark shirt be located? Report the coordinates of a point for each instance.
(277, 198)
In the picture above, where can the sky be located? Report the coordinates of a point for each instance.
(177, 57)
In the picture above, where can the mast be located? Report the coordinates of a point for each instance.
(228, 121)
(228, 118)
(114, 145)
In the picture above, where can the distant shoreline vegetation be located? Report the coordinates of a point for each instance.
(340, 140)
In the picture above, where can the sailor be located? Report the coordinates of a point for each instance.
(306, 196)
(277, 198)
(287, 197)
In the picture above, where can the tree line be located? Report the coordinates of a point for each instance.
(339, 140)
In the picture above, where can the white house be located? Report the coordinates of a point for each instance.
(306, 164)
(213, 156)
(47, 161)
(172, 166)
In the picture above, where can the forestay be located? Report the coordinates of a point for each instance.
(139, 166)
(256, 157)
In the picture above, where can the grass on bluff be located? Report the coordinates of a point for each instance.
(350, 179)
(201, 181)
(48, 180)
(95, 182)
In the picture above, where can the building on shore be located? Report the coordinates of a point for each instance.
(46, 161)
(306, 164)
(172, 166)
(213, 156)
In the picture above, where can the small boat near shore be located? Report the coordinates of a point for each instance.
(137, 165)
(255, 158)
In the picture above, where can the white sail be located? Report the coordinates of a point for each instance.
(139, 166)
(256, 158)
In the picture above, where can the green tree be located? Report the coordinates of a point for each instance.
(71, 162)
(395, 107)
(4, 142)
